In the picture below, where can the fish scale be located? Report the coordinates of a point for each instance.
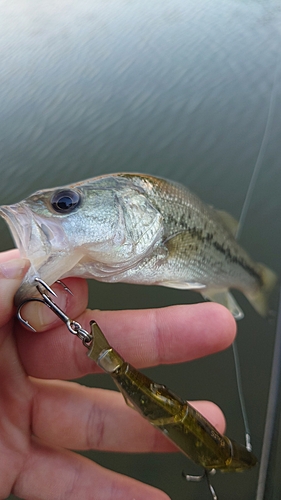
(135, 228)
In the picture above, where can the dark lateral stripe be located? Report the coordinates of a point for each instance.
(240, 262)
(206, 237)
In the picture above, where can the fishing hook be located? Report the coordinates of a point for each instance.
(206, 475)
(73, 326)
(174, 417)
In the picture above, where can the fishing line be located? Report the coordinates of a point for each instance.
(272, 405)
(259, 162)
(271, 414)
(241, 224)
(241, 396)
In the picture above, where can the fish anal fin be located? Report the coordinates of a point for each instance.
(183, 285)
(225, 298)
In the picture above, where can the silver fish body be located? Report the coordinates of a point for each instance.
(135, 228)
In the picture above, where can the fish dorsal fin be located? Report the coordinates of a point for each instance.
(229, 221)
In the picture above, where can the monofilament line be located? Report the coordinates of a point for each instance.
(259, 162)
(243, 215)
(271, 414)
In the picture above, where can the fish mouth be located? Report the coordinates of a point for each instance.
(35, 236)
(19, 221)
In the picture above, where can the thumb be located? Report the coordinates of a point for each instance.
(11, 276)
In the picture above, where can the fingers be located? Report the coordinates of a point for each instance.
(71, 416)
(9, 255)
(170, 334)
(143, 337)
(65, 475)
(11, 274)
(42, 318)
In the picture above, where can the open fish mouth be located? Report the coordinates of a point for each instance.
(19, 220)
(33, 235)
(36, 237)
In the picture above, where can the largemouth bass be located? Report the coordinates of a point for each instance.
(135, 228)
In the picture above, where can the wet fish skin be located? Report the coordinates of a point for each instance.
(135, 228)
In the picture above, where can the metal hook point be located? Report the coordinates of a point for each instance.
(42, 287)
(19, 315)
(65, 287)
(206, 475)
(73, 326)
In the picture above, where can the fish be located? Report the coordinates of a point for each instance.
(135, 228)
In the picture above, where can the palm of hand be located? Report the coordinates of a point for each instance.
(43, 417)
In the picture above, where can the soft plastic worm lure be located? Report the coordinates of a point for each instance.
(166, 411)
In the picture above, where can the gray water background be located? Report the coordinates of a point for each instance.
(179, 89)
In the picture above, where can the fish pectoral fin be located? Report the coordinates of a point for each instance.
(225, 298)
(183, 285)
(181, 245)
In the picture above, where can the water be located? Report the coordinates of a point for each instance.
(177, 89)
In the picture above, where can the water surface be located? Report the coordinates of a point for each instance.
(172, 88)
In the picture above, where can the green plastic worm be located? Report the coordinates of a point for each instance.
(177, 419)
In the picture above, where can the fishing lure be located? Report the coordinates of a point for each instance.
(176, 418)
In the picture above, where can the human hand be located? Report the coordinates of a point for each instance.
(43, 419)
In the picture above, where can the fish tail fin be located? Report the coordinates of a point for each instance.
(260, 298)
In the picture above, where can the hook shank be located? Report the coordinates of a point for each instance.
(73, 326)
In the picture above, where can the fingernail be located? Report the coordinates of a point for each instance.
(46, 316)
(14, 269)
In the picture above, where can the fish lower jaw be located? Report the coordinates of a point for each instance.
(28, 287)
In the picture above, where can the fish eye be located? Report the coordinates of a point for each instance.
(65, 201)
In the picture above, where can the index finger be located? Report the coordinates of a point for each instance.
(9, 255)
(143, 337)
